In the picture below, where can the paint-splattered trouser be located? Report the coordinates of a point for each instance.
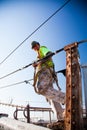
(44, 87)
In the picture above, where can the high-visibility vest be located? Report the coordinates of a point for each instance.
(42, 52)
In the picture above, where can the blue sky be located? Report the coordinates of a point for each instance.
(18, 19)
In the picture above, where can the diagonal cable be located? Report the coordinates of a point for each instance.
(41, 60)
(25, 81)
(34, 32)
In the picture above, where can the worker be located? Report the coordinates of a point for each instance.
(44, 77)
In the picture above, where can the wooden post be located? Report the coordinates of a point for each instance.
(73, 112)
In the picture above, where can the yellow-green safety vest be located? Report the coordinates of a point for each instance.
(42, 53)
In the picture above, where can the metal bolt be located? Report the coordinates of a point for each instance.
(69, 97)
(69, 122)
(73, 97)
(73, 110)
(68, 110)
(69, 85)
(73, 122)
(72, 74)
(73, 85)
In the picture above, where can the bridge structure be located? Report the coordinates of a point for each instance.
(73, 107)
(73, 111)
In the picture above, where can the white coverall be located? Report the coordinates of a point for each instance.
(44, 86)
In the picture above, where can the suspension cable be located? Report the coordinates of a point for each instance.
(17, 83)
(27, 81)
(34, 31)
(40, 60)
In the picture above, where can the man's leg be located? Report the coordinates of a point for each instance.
(55, 95)
(45, 87)
(57, 109)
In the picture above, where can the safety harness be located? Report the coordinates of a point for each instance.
(53, 73)
(45, 65)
